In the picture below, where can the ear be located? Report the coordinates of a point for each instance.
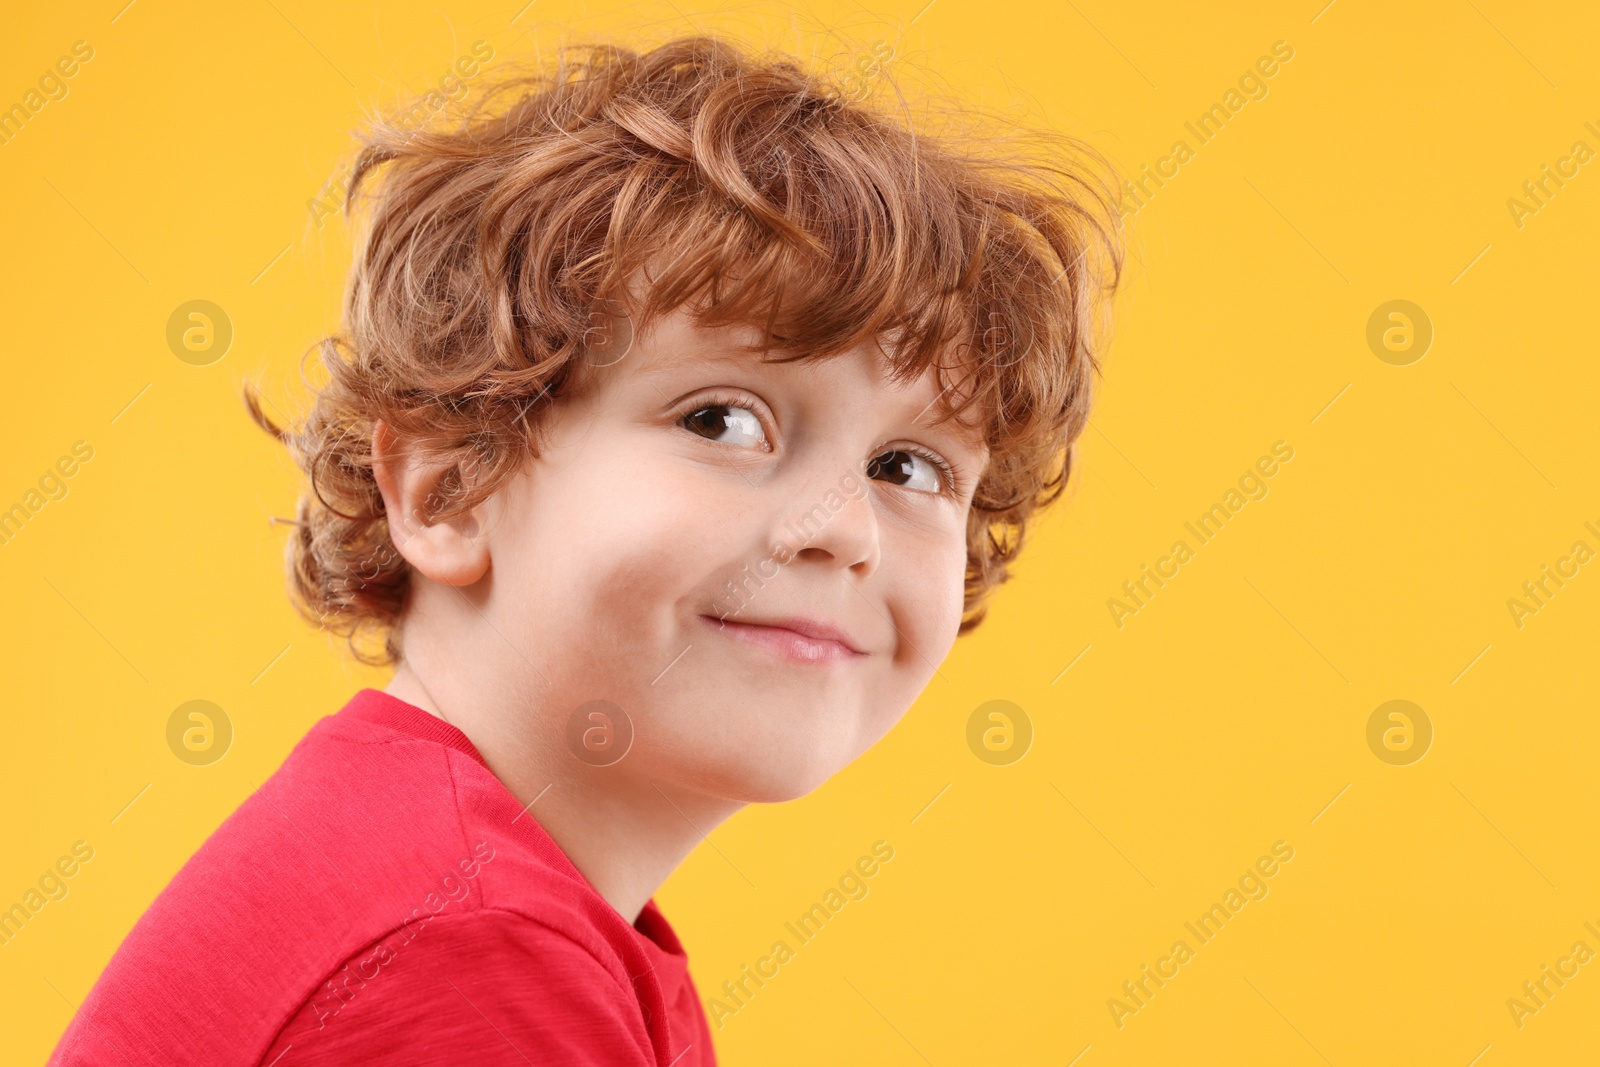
(450, 551)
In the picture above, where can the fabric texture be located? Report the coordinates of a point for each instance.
(383, 898)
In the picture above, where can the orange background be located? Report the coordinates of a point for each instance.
(1168, 754)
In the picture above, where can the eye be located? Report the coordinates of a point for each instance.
(726, 421)
(913, 468)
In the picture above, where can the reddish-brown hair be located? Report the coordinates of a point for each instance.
(759, 193)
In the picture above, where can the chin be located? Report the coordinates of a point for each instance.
(777, 790)
(789, 773)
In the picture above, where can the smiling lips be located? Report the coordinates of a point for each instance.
(799, 639)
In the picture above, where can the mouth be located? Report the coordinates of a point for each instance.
(815, 646)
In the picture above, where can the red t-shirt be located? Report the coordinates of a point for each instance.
(383, 898)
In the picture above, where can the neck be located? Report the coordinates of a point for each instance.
(623, 833)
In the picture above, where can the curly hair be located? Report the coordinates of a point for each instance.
(775, 197)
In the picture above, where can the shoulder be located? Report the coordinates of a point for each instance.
(501, 985)
(351, 834)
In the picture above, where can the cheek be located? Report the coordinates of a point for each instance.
(927, 587)
(607, 549)
(923, 573)
(616, 535)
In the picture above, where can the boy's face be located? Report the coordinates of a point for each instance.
(687, 464)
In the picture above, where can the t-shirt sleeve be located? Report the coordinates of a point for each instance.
(486, 987)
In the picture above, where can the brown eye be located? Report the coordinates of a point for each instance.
(726, 424)
(911, 469)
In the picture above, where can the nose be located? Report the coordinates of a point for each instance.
(832, 520)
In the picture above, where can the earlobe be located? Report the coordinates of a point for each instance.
(451, 551)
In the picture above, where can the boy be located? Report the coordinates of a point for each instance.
(686, 412)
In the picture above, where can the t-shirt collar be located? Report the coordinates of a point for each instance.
(385, 709)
